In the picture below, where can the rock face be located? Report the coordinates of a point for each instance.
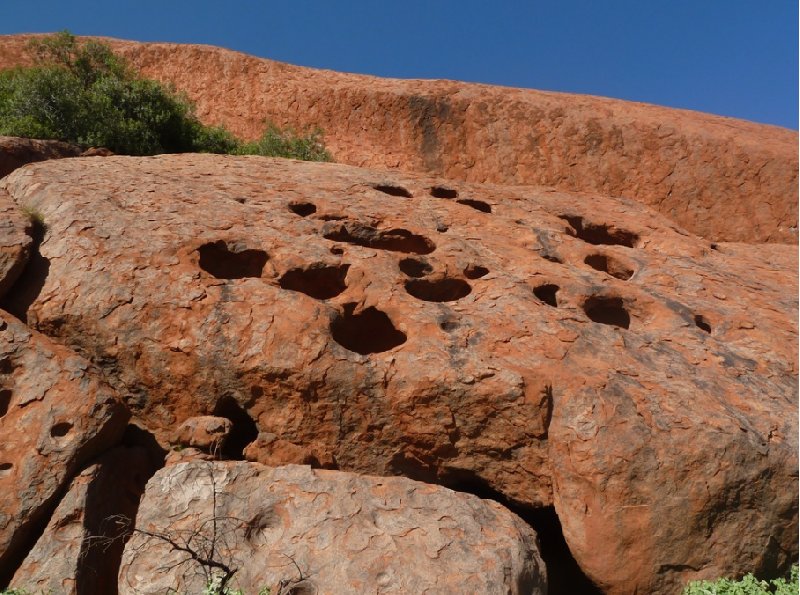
(55, 414)
(552, 349)
(16, 231)
(16, 152)
(325, 532)
(710, 174)
(85, 535)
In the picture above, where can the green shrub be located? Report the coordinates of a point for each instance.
(749, 585)
(81, 92)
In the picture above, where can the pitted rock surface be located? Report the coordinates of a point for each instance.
(345, 533)
(724, 179)
(554, 348)
(55, 415)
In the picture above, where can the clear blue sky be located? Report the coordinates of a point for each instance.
(730, 57)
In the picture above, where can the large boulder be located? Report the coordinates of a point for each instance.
(504, 340)
(16, 237)
(16, 152)
(706, 172)
(322, 532)
(80, 549)
(55, 415)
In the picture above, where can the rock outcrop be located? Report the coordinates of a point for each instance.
(55, 415)
(16, 236)
(16, 152)
(721, 178)
(296, 530)
(550, 349)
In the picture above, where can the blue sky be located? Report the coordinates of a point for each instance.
(730, 57)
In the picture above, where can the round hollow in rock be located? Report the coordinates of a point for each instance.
(599, 233)
(610, 265)
(702, 323)
(393, 190)
(225, 262)
(365, 332)
(444, 192)
(547, 294)
(438, 290)
(321, 282)
(607, 310)
(475, 271)
(304, 209)
(478, 205)
(414, 267)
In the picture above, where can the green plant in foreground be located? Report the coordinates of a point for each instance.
(748, 585)
(81, 92)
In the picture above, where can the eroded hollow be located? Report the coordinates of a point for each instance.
(243, 431)
(231, 261)
(365, 332)
(547, 294)
(478, 205)
(321, 282)
(414, 267)
(60, 429)
(609, 264)
(395, 240)
(444, 192)
(475, 271)
(304, 209)
(5, 401)
(599, 234)
(702, 323)
(438, 290)
(607, 310)
(393, 190)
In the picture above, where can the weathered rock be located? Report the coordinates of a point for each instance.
(207, 432)
(80, 550)
(706, 172)
(16, 231)
(345, 533)
(55, 414)
(16, 152)
(502, 339)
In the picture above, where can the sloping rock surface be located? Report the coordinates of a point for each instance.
(16, 152)
(55, 415)
(80, 550)
(549, 348)
(324, 532)
(721, 178)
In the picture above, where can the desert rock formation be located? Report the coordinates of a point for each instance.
(721, 178)
(547, 349)
(325, 532)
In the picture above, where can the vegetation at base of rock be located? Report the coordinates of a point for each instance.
(81, 92)
(749, 585)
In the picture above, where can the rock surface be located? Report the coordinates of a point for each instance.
(206, 432)
(80, 549)
(721, 178)
(345, 533)
(594, 357)
(16, 152)
(16, 231)
(55, 414)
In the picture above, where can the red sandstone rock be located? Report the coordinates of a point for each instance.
(511, 339)
(206, 432)
(345, 534)
(55, 414)
(16, 230)
(16, 152)
(721, 178)
(78, 549)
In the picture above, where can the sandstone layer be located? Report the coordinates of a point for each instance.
(551, 349)
(295, 530)
(721, 178)
(55, 415)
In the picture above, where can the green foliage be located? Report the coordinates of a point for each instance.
(81, 92)
(287, 143)
(749, 585)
